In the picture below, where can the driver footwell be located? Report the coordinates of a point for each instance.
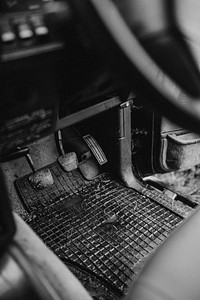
(102, 230)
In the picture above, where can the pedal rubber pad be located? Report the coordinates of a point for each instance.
(68, 161)
(41, 179)
(96, 149)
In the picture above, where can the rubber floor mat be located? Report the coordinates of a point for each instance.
(99, 225)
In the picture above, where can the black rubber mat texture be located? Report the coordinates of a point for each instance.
(100, 225)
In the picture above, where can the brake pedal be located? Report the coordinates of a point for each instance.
(96, 149)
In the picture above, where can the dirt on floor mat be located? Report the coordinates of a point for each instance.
(99, 226)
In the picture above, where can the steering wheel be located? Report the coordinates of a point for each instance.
(146, 43)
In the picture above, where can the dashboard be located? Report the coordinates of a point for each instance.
(22, 25)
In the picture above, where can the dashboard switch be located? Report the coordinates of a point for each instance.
(24, 31)
(7, 34)
(39, 26)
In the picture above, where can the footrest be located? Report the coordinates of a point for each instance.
(100, 225)
(178, 207)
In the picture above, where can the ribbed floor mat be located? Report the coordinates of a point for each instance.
(100, 225)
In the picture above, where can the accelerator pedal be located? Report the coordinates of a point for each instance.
(95, 149)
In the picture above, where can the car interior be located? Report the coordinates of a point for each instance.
(97, 97)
